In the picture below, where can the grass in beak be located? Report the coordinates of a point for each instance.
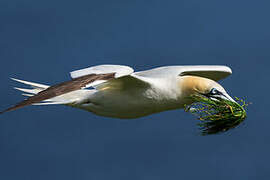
(217, 116)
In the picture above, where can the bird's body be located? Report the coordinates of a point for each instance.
(133, 102)
(116, 91)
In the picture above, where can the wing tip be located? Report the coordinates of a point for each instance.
(7, 110)
(223, 68)
(227, 69)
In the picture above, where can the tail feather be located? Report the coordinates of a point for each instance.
(45, 95)
(28, 95)
(31, 91)
(34, 85)
(52, 102)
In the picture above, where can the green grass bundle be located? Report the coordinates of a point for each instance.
(217, 116)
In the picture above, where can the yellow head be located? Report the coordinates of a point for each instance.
(195, 85)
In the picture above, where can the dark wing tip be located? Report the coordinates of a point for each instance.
(17, 106)
(9, 109)
(6, 110)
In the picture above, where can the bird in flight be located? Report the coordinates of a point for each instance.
(119, 92)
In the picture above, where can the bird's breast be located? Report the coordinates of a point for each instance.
(131, 103)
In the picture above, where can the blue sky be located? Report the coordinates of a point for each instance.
(43, 41)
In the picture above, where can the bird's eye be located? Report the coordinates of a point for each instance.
(214, 91)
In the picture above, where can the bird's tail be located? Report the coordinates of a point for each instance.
(35, 87)
(40, 94)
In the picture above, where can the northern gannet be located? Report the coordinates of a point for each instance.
(117, 91)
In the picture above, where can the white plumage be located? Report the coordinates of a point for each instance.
(132, 94)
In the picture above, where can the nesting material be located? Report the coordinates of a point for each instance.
(217, 116)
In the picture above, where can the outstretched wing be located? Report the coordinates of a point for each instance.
(145, 79)
(211, 72)
(82, 79)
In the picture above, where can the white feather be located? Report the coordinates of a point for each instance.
(52, 103)
(211, 72)
(31, 91)
(35, 85)
(103, 69)
(29, 95)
